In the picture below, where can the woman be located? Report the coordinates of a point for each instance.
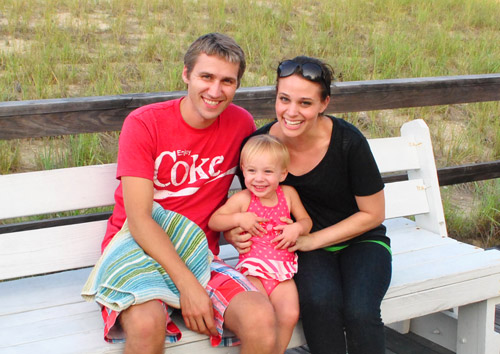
(344, 267)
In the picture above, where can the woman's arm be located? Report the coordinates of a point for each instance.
(371, 214)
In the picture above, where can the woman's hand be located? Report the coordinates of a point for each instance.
(304, 243)
(288, 235)
(240, 241)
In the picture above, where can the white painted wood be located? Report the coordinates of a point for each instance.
(476, 328)
(406, 237)
(398, 194)
(431, 300)
(49, 250)
(450, 270)
(402, 327)
(434, 220)
(439, 328)
(57, 190)
(394, 154)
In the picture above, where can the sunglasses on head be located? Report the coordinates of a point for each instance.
(310, 71)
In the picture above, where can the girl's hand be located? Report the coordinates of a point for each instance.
(251, 223)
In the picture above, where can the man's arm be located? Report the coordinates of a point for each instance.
(196, 306)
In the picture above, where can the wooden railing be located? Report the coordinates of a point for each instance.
(52, 117)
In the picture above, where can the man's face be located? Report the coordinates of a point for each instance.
(211, 87)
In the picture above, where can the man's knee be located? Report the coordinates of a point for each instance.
(144, 321)
(251, 316)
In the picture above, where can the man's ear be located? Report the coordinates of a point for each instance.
(185, 76)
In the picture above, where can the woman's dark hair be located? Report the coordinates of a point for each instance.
(309, 68)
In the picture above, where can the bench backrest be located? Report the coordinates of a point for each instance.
(53, 249)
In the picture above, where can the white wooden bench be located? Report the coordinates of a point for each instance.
(43, 270)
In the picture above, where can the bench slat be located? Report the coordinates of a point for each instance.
(441, 298)
(395, 154)
(50, 250)
(63, 189)
(398, 194)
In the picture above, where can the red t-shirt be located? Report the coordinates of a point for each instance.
(191, 169)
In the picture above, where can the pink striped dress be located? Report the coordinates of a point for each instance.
(263, 260)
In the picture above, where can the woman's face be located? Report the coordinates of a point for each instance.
(298, 104)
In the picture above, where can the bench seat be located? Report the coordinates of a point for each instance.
(430, 274)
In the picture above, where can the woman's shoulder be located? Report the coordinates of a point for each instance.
(345, 126)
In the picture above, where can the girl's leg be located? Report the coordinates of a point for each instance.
(285, 300)
(366, 270)
(321, 301)
(257, 283)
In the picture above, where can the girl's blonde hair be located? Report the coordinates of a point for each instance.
(259, 144)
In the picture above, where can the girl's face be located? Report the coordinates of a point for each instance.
(298, 104)
(263, 174)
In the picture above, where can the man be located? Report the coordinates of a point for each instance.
(183, 155)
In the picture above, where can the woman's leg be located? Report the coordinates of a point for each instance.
(285, 301)
(321, 301)
(366, 274)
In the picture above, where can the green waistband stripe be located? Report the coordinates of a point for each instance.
(338, 248)
(335, 248)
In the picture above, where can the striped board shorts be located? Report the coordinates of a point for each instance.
(225, 283)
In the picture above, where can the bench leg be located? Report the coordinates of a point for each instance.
(476, 328)
(402, 327)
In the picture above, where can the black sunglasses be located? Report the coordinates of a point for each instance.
(310, 71)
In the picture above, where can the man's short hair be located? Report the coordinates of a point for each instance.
(215, 44)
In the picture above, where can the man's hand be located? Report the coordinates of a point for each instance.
(240, 241)
(197, 310)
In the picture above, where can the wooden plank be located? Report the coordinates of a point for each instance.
(434, 299)
(423, 257)
(63, 189)
(412, 238)
(469, 173)
(77, 327)
(447, 176)
(96, 114)
(405, 198)
(394, 154)
(45, 291)
(438, 274)
(50, 250)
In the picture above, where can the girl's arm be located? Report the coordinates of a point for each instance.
(371, 214)
(233, 214)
